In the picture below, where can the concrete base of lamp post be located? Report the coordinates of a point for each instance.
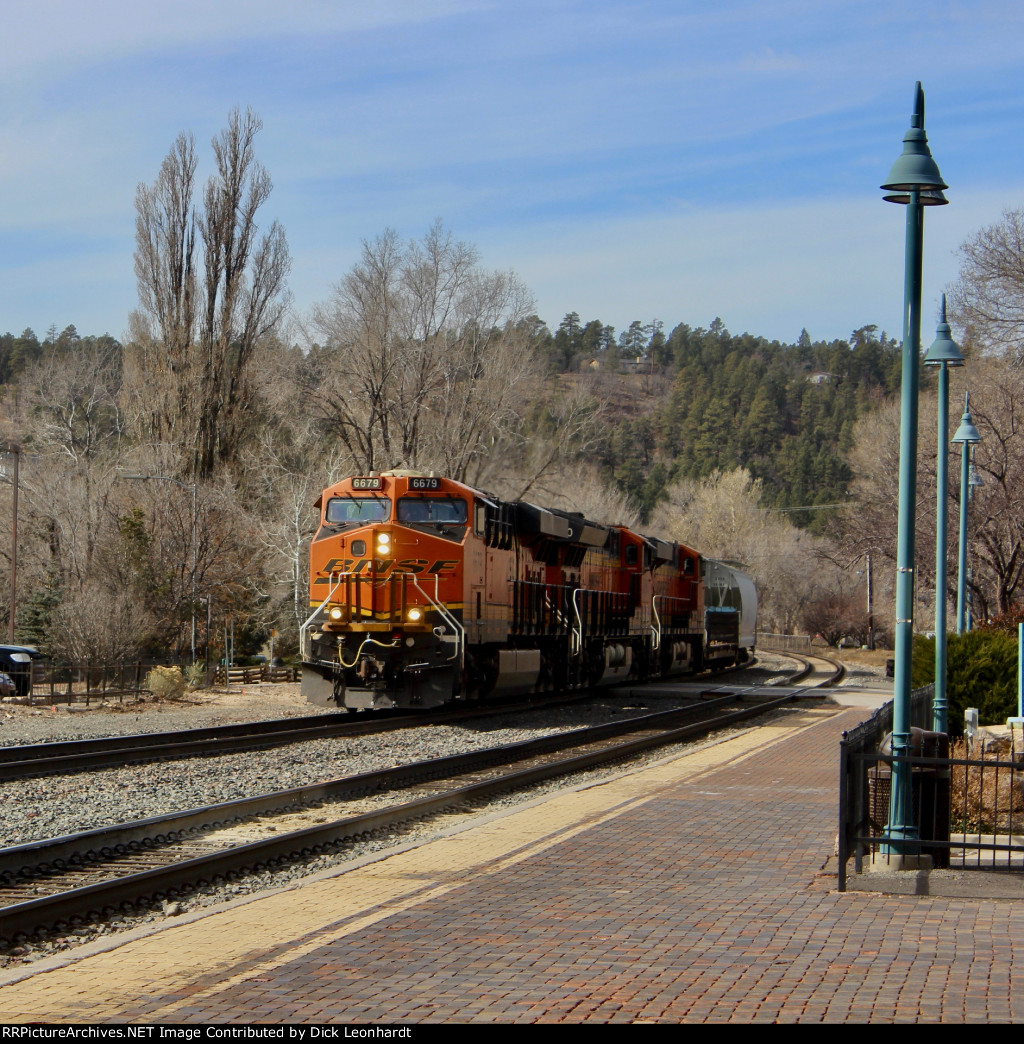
(882, 863)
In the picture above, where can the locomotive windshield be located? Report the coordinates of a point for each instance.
(357, 509)
(432, 509)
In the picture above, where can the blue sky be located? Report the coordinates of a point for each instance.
(629, 160)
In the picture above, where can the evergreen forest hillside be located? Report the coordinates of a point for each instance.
(654, 411)
(703, 400)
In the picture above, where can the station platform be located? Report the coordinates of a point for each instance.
(694, 889)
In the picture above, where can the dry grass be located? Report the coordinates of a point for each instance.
(987, 800)
(862, 657)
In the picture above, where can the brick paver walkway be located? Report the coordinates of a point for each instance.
(688, 894)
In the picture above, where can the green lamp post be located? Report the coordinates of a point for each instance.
(915, 182)
(967, 435)
(975, 482)
(943, 353)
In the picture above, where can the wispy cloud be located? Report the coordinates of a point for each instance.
(648, 156)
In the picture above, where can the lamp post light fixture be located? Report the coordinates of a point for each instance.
(967, 435)
(195, 537)
(915, 182)
(943, 353)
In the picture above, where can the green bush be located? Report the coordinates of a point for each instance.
(195, 675)
(981, 672)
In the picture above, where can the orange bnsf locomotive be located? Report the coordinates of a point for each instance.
(424, 590)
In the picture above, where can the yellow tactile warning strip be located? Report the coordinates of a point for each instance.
(208, 952)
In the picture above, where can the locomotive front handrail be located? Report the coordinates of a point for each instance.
(305, 628)
(460, 632)
(656, 626)
(576, 638)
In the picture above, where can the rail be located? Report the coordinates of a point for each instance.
(57, 865)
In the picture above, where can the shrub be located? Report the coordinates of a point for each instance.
(1008, 621)
(166, 683)
(195, 675)
(981, 672)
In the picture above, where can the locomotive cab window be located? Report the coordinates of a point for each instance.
(631, 555)
(440, 510)
(349, 510)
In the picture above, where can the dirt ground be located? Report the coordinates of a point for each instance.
(284, 699)
(275, 700)
(861, 657)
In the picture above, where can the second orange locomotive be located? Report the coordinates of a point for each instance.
(424, 590)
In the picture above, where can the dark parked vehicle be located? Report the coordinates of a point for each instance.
(16, 661)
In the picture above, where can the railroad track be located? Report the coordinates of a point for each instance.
(105, 872)
(828, 671)
(60, 758)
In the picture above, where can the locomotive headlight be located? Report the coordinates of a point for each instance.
(383, 543)
(336, 612)
(414, 615)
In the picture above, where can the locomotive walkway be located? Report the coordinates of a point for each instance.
(693, 890)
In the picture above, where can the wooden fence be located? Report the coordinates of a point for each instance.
(251, 675)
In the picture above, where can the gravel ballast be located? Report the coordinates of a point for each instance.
(36, 809)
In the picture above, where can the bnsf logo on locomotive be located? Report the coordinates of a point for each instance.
(385, 566)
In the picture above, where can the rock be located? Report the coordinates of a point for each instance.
(993, 739)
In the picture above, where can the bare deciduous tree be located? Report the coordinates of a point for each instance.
(73, 400)
(987, 301)
(75, 428)
(996, 530)
(837, 615)
(721, 517)
(210, 288)
(98, 626)
(426, 357)
(579, 487)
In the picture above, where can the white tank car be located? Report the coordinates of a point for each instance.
(728, 590)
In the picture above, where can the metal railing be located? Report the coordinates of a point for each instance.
(87, 683)
(968, 802)
(78, 683)
(784, 642)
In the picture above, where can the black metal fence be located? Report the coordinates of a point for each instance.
(968, 801)
(784, 642)
(43, 683)
(80, 683)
